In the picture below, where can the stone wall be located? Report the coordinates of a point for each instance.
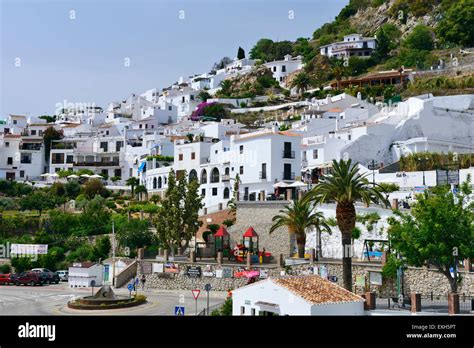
(123, 277)
(419, 280)
(259, 215)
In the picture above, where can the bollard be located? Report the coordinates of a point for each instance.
(192, 256)
(370, 298)
(281, 261)
(166, 255)
(219, 258)
(453, 304)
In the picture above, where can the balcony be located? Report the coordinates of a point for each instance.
(262, 176)
(288, 154)
(63, 146)
(30, 146)
(225, 177)
(288, 176)
(97, 164)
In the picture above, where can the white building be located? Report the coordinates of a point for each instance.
(85, 274)
(353, 45)
(295, 295)
(282, 68)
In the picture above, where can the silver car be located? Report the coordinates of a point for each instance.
(63, 275)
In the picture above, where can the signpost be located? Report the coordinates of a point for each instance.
(193, 271)
(196, 295)
(208, 288)
(178, 310)
(130, 288)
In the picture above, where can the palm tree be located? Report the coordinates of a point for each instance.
(298, 217)
(345, 185)
(132, 182)
(226, 86)
(338, 70)
(139, 190)
(302, 82)
(204, 95)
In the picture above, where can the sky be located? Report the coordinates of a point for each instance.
(98, 51)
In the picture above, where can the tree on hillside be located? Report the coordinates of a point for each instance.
(94, 187)
(457, 25)
(240, 53)
(222, 63)
(226, 86)
(204, 95)
(48, 118)
(421, 38)
(37, 200)
(345, 185)
(301, 82)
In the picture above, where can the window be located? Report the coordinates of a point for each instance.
(170, 108)
(180, 157)
(118, 172)
(304, 155)
(315, 154)
(226, 193)
(154, 183)
(193, 175)
(107, 133)
(22, 173)
(118, 145)
(283, 68)
(252, 311)
(203, 192)
(263, 174)
(7, 144)
(192, 97)
(193, 155)
(242, 310)
(215, 175)
(241, 170)
(69, 159)
(241, 149)
(214, 191)
(274, 69)
(104, 145)
(15, 121)
(160, 182)
(40, 133)
(10, 160)
(33, 132)
(204, 177)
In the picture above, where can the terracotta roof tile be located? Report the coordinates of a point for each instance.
(316, 290)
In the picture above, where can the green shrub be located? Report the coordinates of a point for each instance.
(5, 268)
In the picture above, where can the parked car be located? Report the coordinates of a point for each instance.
(6, 279)
(27, 278)
(47, 276)
(63, 275)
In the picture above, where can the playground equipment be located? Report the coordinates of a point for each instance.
(222, 242)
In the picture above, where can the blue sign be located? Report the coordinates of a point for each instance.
(178, 310)
(130, 287)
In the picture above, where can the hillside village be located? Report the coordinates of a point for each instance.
(387, 85)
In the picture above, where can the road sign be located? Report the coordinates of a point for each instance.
(196, 294)
(178, 310)
(207, 287)
(130, 287)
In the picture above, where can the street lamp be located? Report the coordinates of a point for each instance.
(423, 168)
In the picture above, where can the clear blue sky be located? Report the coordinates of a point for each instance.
(82, 59)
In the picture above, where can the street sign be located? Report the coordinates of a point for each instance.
(130, 287)
(178, 310)
(196, 294)
(207, 287)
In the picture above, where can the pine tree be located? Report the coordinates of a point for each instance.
(240, 53)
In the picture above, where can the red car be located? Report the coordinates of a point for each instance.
(6, 279)
(26, 278)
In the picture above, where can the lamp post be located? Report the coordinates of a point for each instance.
(423, 168)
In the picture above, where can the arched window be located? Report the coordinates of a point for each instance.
(215, 175)
(204, 177)
(227, 171)
(160, 184)
(154, 183)
(166, 180)
(193, 175)
(226, 193)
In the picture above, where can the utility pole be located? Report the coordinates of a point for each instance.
(113, 253)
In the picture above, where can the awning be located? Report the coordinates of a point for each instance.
(281, 184)
(142, 166)
(298, 184)
(268, 307)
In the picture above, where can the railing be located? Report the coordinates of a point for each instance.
(225, 177)
(288, 176)
(63, 146)
(205, 311)
(30, 147)
(97, 164)
(288, 154)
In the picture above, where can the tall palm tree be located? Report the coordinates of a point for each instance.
(132, 182)
(302, 82)
(339, 71)
(298, 217)
(345, 185)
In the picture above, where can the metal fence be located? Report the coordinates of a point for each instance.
(204, 312)
(431, 303)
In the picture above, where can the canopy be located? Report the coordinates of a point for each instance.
(281, 184)
(298, 184)
(72, 176)
(54, 175)
(96, 176)
(250, 233)
(85, 175)
(141, 167)
(221, 232)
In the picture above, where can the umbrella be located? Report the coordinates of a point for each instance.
(85, 175)
(54, 175)
(96, 176)
(45, 175)
(72, 176)
(281, 184)
(298, 184)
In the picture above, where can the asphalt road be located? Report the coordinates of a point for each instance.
(52, 300)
